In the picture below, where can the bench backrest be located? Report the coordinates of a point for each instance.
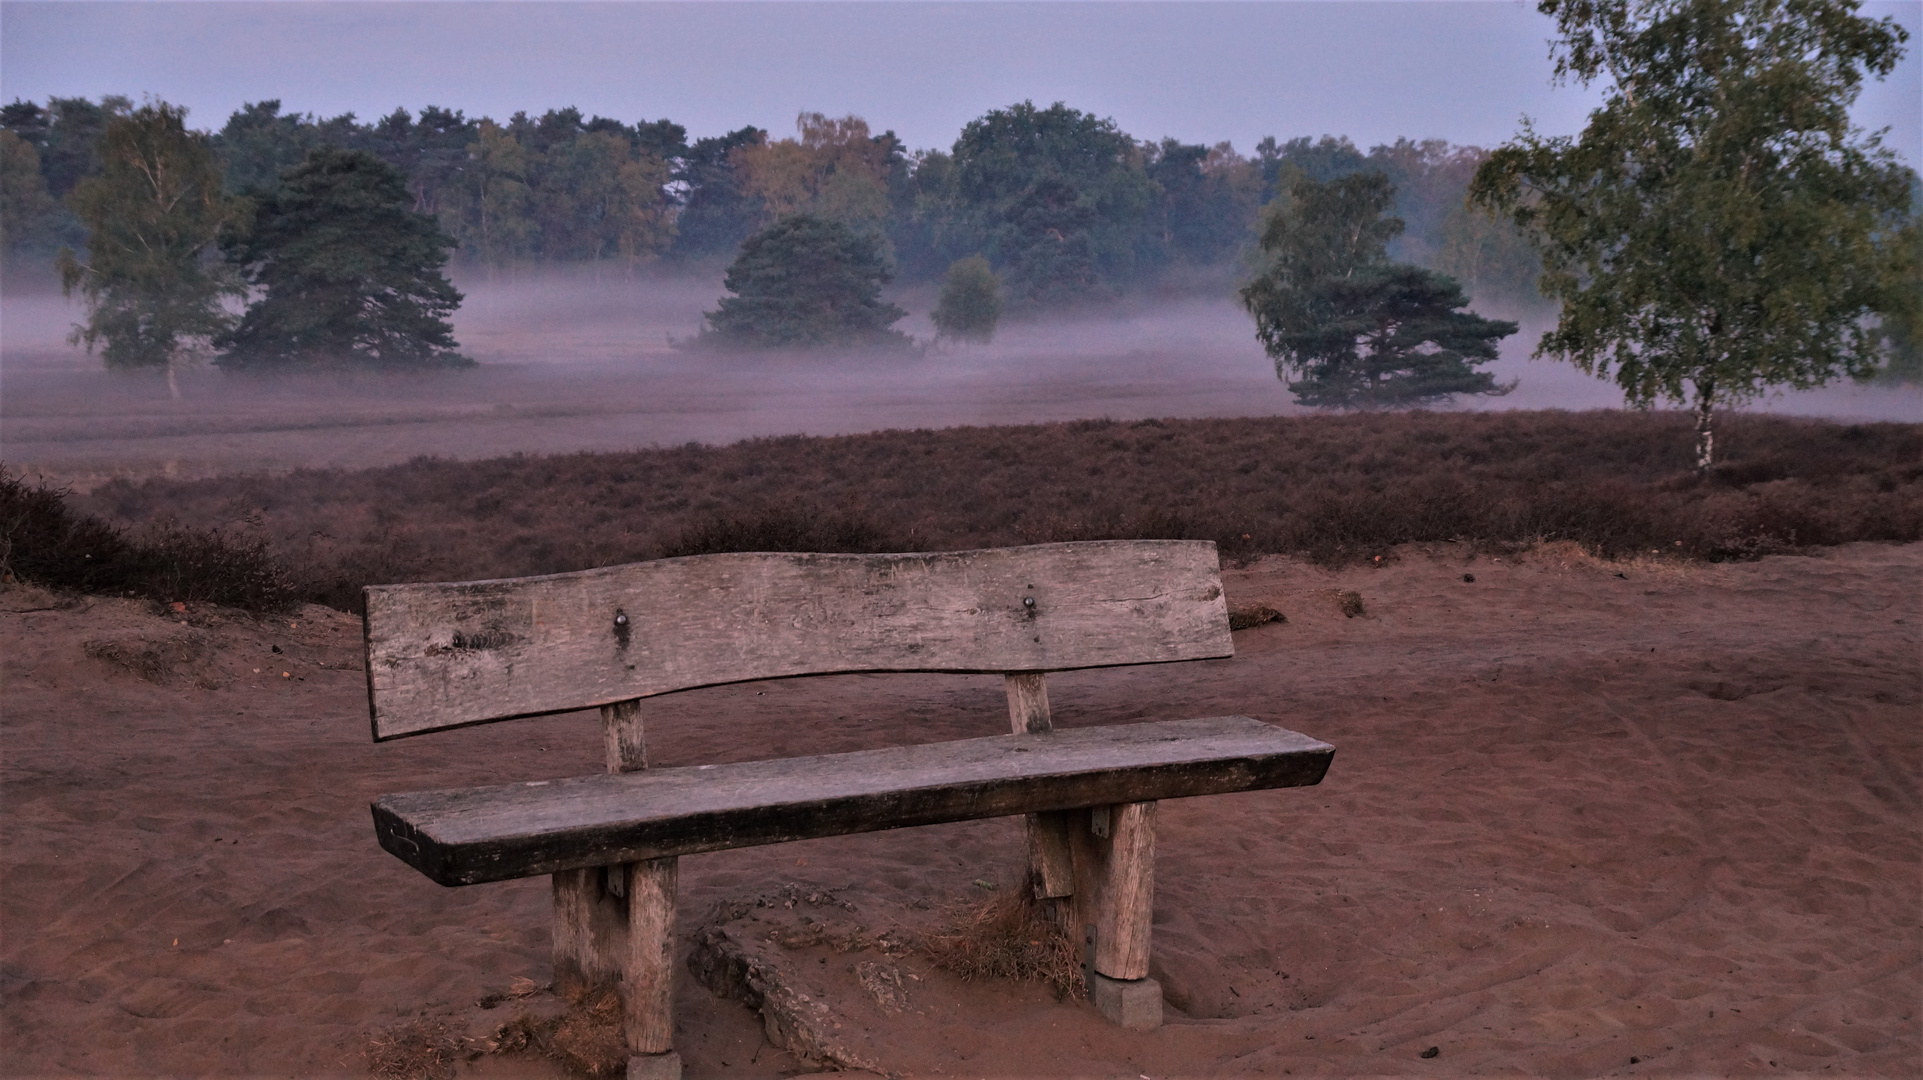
(448, 655)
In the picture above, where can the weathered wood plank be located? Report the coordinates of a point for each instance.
(647, 992)
(445, 655)
(1115, 885)
(462, 837)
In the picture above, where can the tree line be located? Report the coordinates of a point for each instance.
(1065, 205)
(1719, 228)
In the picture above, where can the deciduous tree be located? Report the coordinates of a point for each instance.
(154, 213)
(971, 303)
(1719, 227)
(1058, 196)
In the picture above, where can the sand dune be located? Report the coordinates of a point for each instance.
(1580, 814)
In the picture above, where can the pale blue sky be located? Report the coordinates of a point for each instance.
(1464, 71)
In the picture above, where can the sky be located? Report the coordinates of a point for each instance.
(1462, 70)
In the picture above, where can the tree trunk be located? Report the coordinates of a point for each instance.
(173, 384)
(1705, 436)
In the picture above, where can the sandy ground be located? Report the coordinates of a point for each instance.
(1584, 819)
(580, 362)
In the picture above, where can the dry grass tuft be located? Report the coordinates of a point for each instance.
(1253, 615)
(1008, 936)
(417, 1049)
(1349, 602)
(586, 1038)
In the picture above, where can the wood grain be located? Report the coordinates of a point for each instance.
(1050, 871)
(471, 835)
(1051, 863)
(445, 655)
(589, 934)
(624, 742)
(1115, 886)
(1028, 702)
(647, 991)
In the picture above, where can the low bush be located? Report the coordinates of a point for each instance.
(43, 541)
(1333, 489)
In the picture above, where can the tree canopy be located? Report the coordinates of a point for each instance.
(152, 212)
(807, 281)
(1057, 194)
(349, 273)
(971, 303)
(1718, 228)
(1066, 206)
(1362, 332)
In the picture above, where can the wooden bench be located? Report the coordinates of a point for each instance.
(448, 655)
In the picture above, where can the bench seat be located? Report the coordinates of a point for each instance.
(473, 835)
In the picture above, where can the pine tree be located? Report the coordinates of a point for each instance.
(350, 274)
(807, 281)
(1360, 331)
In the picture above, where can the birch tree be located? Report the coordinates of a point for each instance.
(154, 212)
(1719, 227)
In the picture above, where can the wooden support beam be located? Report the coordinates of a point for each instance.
(1051, 864)
(1050, 868)
(622, 737)
(1115, 886)
(647, 996)
(590, 931)
(1028, 702)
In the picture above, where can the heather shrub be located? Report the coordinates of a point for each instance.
(42, 540)
(1333, 489)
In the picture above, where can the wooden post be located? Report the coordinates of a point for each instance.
(1051, 870)
(626, 749)
(1027, 702)
(590, 934)
(648, 998)
(1115, 887)
(590, 931)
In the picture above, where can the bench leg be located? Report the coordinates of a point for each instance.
(590, 930)
(648, 978)
(1114, 853)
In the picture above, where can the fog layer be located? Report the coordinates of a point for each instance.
(574, 361)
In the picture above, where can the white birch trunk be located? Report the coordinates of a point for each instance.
(1705, 435)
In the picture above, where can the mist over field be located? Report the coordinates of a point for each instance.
(575, 360)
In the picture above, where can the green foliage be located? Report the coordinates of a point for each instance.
(260, 142)
(350, 274)
(28, 215)
(806, 281)
(717, 213)
(1207, 205)
(1900, 322)
(1718, 226)
(1361, 331)
(1059, 196)
(971, 302)
(154, 211)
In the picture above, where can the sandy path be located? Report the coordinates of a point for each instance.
(1574, 818)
